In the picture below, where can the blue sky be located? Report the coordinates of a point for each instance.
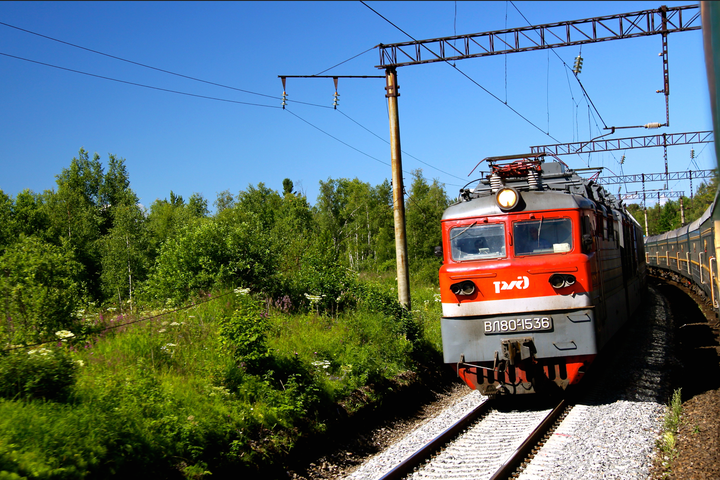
(448, 124)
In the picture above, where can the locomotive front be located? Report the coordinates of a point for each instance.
(517, 279)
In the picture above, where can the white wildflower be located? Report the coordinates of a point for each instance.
(241, 291)
(174, 324)
(80, 363)
(63, 334)
(314, 298)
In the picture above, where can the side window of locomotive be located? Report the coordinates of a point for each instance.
(478, 242)
(586, 234)
(553, 235)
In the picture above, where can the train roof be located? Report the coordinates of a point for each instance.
(542, 185)
(691, 227)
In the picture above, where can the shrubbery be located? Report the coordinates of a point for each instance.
(39, 373)
(39, 290)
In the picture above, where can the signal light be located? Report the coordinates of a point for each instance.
(577, 67)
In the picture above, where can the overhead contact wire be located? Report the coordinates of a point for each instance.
(463, 74)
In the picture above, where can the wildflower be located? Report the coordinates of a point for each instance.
(174, 324)
(314, 298)
(64, 334)
(41, 351)
(162, 330)
(437, 297)
(111, 309)
(241, 291)
(80, 363)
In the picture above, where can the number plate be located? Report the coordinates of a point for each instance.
(514, 325)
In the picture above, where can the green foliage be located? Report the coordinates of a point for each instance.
(667, 441)
(198, 206)
(39, 288)
(40, 373)
(244, 334)
(425, 206)
(319, 276)
(125, 253)
(211, 254)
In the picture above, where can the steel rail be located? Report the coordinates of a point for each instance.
(407, 465)
(522, 452)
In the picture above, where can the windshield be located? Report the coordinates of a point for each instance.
(478, 242)
(551, 235)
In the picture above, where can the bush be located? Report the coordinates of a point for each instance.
(211, 254)
(39, 288)
(40, 373)
(244, 334)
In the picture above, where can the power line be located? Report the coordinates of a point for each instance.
(337, 139)
(461, 72)
(566, 65)
(139, 84)
(156, 68)
(351, 58)
(403, 151)
(136, 63)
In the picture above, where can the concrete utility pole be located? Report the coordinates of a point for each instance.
(403, 276)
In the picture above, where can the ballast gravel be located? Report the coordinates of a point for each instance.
(385, 461)
(612, 431)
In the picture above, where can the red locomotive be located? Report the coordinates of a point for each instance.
(541, 267)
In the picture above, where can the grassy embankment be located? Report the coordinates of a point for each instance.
(230, 385)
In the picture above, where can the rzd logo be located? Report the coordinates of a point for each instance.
(521, 284)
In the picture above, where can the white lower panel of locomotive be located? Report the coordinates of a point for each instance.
(517, 305)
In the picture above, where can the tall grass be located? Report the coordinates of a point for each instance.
(168, 398)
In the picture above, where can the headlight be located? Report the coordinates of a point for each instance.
(463, 288)
(559, 280)
(507, 198)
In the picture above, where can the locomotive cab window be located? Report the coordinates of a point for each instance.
(551, 235)
(478, 242)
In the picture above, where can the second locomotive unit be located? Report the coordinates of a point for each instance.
(540, 268)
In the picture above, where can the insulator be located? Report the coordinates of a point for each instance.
(577, 67)
(496, 182)
(692, 153)
(653, 125)
(533, 179)
(336, 100)
(622, 160)
(284, 97)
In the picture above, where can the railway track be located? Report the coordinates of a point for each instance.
(505, 438)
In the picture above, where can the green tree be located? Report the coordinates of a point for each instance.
(39, 290)
(8, 230)
(126, 254)
(198, 206)
(224, 200)
(211, 254)
(424, 208)
(75, 217)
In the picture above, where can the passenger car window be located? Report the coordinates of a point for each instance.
(478, 242)
(552, 235)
